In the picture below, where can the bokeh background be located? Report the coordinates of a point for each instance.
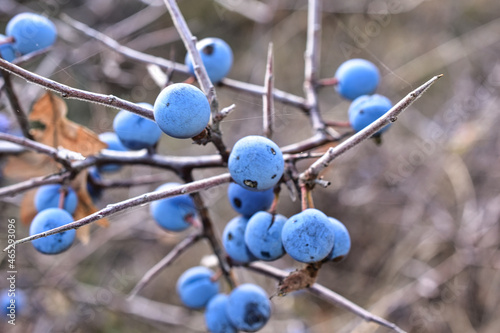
(422, 209)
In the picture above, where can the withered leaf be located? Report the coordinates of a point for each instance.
(299, 279)
(55, 130)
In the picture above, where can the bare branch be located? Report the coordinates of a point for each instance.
(18, 111)
(130, 203)
(390, 116)
(190, 44)
(126, 51)
(63, 156)
(279, 95)
(73, 93)
(164, 263)
(267, 98)
(312, 58)
(224, 113)
(325, 293)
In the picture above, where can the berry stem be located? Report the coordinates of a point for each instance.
(328, 82)
(63, 192)
(7, 40)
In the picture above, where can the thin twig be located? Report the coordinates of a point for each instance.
(126, 51)
(279, 95)
(165, 262)
(18, 111)
(190, 44)
(210, 234)
(390, 116)
(311, 61)
(73, 93)
(224, 113)
(325, 293)
(267, 98)
(130, 203)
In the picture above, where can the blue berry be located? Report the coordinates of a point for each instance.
(308, 236)
(182, 111)
(48, 196)
(95, 192)
(342, 243)
(263, 236)
(256, 163)
(248, 307)
(233, 239)
(365, 109)
(195, 287)
(216, 315)
(173, 213)
(49, 219)
(134, 131)
(7, 50)
(5, 123)
(357, 77)
(12, 302)
(217, 57)
(31, 32)
(248, 202)
(114, 143)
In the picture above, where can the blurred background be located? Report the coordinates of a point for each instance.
(422, 209)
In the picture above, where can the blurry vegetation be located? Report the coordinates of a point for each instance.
(422, 209)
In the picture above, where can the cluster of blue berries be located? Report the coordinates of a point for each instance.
(307, 237)
(247, 308)
(357, 80)
(26, 33)
(53, 211)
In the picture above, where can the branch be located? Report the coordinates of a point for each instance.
(312, 58)
(279, 95)
(267, 98)
(130, 203)
(123, 50)
(390, 116)
(190, 44)
(141, 307)
(32, 183)
(18, 111)
(61, 155)
(164, 263)
(210, 234)
(325, 293)
(73, 93)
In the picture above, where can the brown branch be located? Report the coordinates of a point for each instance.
(18, 111)
(210, 234)
(130, 203)
(164, 263)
